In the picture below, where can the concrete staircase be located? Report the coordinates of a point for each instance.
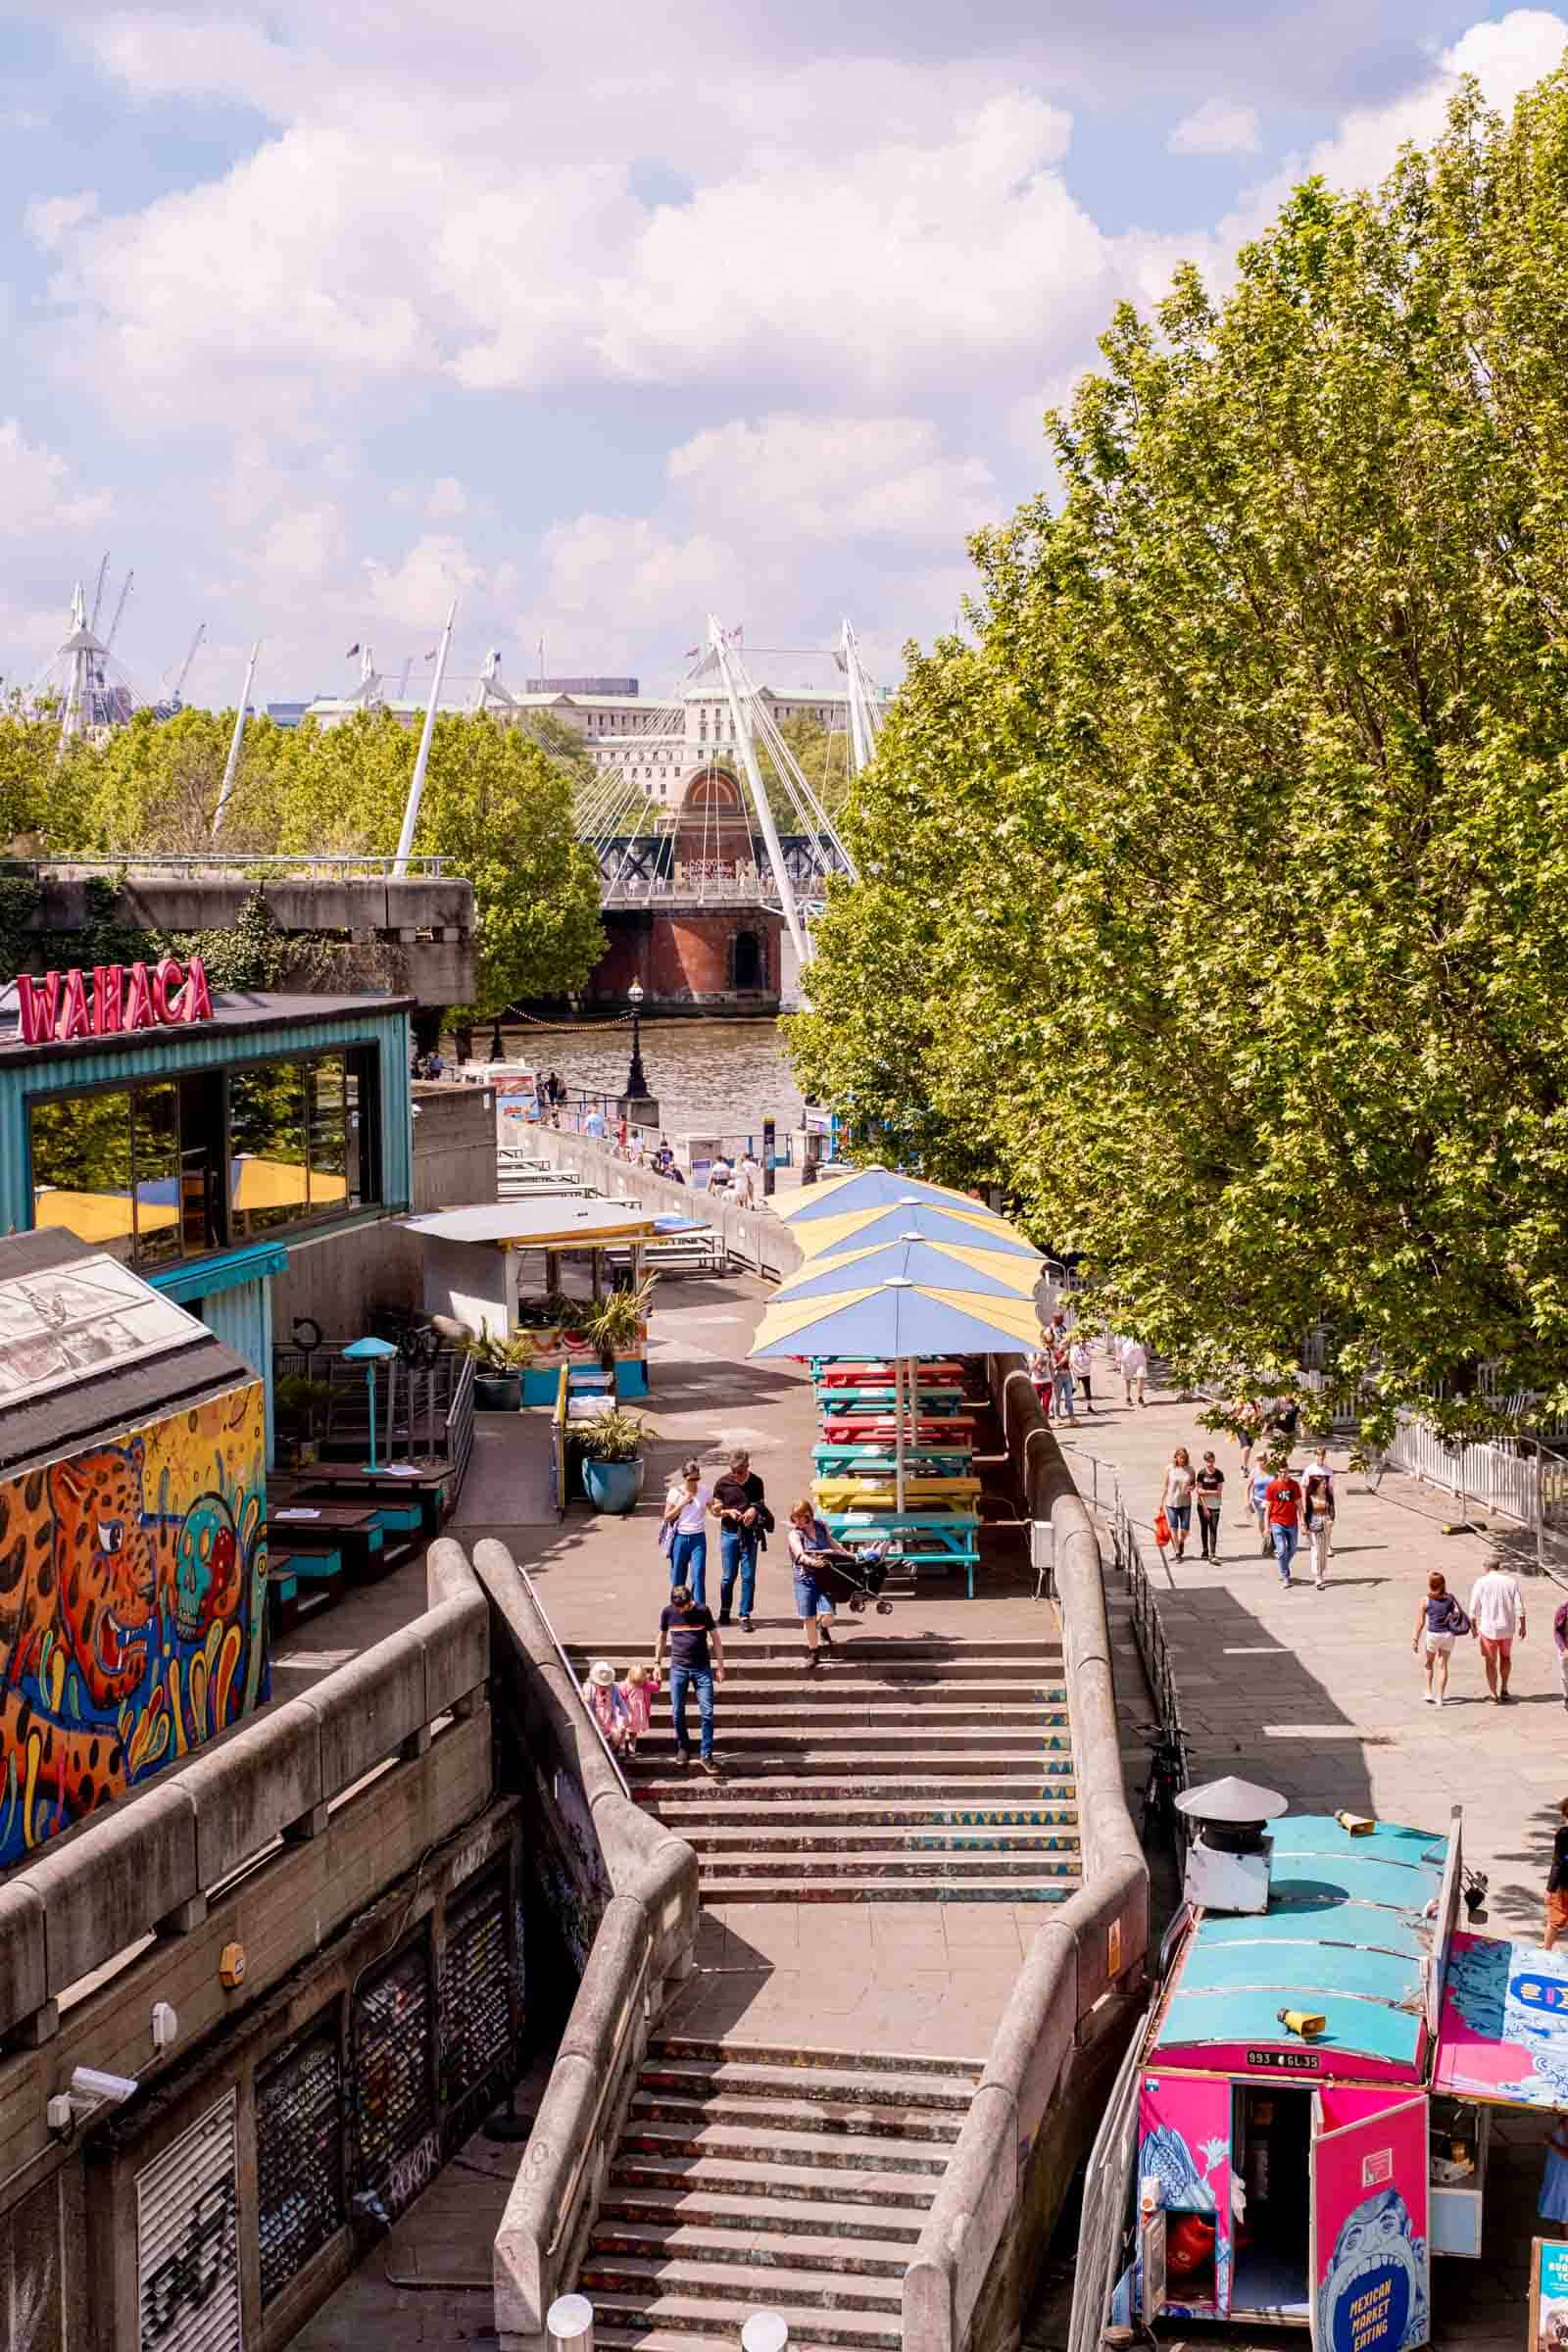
(750, 2177)
(906, 1769)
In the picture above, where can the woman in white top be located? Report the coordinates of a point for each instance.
(1082, 1363)
(686, 1517)
(1177, 1497)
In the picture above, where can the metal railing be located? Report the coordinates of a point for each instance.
(271, 865)
(1149, 1628)
(1103, 2226)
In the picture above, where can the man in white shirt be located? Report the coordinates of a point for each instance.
(1498, 1613)
(1134, 1369)
(751, 1170)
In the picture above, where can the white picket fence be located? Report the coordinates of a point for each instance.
(1508, 1476)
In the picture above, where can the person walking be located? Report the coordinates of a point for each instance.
(1081, 1363)
(1176, 1496)
(1134, 1370)
(1209, 1487)
(1249, 1415)
(1059, 1342)
(1042, 1377)
(1257, 1499)
(686, 1516)
(811, 1545)
(696, 1663)
(606, 1703)
(1439, 1623)
(751, 1178)
(744, 1522)
(1283, 1499)
(1317, 1488)
(637, 1692)
(1557, 1885)
(1498, 1608)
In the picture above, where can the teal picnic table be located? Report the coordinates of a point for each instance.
(948, 1537)
(871, 1461)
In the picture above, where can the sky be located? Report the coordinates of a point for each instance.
(600, 319)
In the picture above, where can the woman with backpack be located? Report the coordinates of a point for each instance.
(1439, 1621)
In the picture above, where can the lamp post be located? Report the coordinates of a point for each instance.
(636, 1106)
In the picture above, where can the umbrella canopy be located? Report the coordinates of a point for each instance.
(894, 1318)
(976, 1228)
(932, 1265)
(873, 1188)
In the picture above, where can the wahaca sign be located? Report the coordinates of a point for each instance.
(164, 996)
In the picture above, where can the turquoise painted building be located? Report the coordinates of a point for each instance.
(202, 1150)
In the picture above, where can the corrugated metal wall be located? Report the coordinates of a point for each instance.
(242, 1318)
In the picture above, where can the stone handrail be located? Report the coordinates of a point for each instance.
(644, 1945)
(1081, 1983)
(146, 1862)
(753, 1236)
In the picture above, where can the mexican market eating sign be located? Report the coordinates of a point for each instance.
(164, 996)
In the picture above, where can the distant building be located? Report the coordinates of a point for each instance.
(622, 687)
(286, 715)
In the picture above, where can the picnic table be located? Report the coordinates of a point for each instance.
(850, 1428)
(844, 1494)
(839, 1372)
(416, 1496)
(311, 1531)
(867, 1460)
(942, 1398)
(950, 1536)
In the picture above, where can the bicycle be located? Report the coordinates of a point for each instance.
(1167, 1778)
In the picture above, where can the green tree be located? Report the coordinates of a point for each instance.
(823, 756)
(1214, 888)
(42, 787)
(158, 781)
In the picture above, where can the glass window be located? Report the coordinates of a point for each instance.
(203, 1163)
(154, 1138)
(327, 1111)
(268, 1185)
(81, 1169)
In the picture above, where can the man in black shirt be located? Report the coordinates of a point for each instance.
(743, 1519)
(1210, 1485)
(688, 1631)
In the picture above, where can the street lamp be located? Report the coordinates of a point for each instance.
(636, 1076)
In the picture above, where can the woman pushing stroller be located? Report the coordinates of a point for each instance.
(813, 1549)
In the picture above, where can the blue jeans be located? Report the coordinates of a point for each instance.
(737, 1552)
(688, 1565)
(1286, 1539)
(681, 1679)
(1063, 1385)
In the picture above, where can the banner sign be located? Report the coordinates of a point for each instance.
(59, 1007)
(1548, 2295)
(1370, 2231)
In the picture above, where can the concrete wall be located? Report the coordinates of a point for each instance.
(340, 1280)
(1081, 1990)
(425, 926)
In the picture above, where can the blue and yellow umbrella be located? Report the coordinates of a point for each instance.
(973, 1228)
(911, 1258)
(873, 1188)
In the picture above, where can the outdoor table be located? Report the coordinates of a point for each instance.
(836, 1372)
(846, 1493)
(422, 1491)
(850, 1427)
(353, 1530)
(950, 1536)
(862, 1461)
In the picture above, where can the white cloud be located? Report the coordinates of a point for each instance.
(826, 478)
(304, 546)
(417, 591)
(37, 493)
(448, 499)
(50, 220)
(1217, 128)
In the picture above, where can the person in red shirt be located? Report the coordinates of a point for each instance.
(1282, 1499)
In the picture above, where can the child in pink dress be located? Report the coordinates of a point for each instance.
(637, 1696)
(603, 1702)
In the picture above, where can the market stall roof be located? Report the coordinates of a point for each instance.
(554, 1223)
(1345, 1936)
(1503, 2035)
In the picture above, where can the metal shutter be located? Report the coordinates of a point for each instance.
(398, 2145)
(187, 2241)
(476, 1989)
(299, 2156)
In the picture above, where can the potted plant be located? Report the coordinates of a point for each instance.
(611, 1450)
(300, 1402)
(619, 1324)
(500, 1361)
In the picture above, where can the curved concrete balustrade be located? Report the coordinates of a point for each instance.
(1081, 1988)
(643, 1947)
(147, 1863)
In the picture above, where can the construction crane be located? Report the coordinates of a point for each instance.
(184, 667)
(98, 593)
(120, 611)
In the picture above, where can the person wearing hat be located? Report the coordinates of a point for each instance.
(604, 1703)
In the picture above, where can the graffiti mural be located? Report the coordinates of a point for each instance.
(132, 1609)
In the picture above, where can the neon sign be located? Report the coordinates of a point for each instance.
(59, 1007)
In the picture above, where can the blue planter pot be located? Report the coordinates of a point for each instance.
(613, 1485)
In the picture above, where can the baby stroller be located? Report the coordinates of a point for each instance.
(855, 1577)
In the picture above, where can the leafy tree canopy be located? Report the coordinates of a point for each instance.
(1215, 887)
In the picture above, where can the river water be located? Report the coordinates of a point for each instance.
(718, 1078)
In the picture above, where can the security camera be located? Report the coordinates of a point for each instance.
(89, 2084)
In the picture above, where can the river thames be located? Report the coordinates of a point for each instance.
(707, 1077)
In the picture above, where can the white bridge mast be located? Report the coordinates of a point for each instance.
(741, 718)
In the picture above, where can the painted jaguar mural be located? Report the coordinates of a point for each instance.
(132, 1610)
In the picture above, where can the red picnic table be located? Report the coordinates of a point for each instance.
(852, 1426)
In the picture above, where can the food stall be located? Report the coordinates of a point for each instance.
(1316, 2074)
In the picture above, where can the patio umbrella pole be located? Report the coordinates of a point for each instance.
(897, 1432)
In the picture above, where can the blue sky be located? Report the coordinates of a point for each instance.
(600, 319)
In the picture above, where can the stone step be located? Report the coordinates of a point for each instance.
(896, 2229)
(777, 1641)
(851, 1687)
(731, 2077)
(810, 1886)
(720, 2282)
(778, 2113)
(903, 1843)
(722, 1809)
(797, 1717)
(786, 2252)
(694, 2132)
(642, 2171)
(871, 1860)
(728, 2052)
(852, 1771)
(838, 1743)
(685, 1798)
(669, 2323)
